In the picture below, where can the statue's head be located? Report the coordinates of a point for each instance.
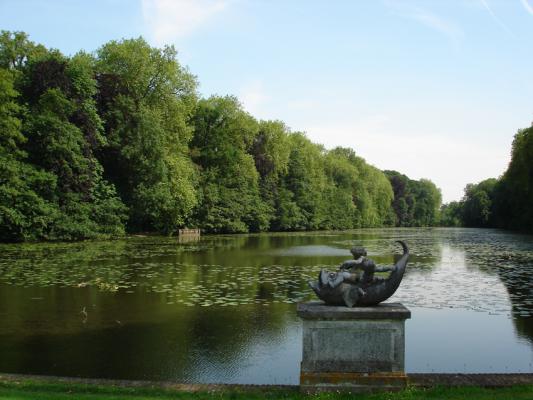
(358, 251)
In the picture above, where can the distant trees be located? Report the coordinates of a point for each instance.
(416, 203)
(257, 175)
(451, 214)
(478, 202)
(95, 145)
(513, 204)
(506, 202)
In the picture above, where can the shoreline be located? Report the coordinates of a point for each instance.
(419, 380)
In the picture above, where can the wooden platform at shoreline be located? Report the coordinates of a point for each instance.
(189, 232)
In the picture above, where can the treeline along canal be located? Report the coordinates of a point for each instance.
(223, 308)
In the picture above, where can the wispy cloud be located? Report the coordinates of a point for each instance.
(527, 6)
(426, 18)
(495, 18)
(169, 20)
(253, 97)
(419, 155)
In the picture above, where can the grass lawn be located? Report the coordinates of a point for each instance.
(24, 390)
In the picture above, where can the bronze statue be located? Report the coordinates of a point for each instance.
(354, 284)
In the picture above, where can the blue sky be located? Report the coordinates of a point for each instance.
(433, 89)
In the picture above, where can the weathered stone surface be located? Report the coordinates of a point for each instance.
(353, 349)
(312, 382)
(320, 311)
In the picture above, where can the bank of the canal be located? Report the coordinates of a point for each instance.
(422, 386)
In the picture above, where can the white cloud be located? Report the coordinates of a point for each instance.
(495, 18)
(253, 98)
(436, 23)
(169, 20)
(527, 6)
(426, 18)
(302, 105)
(448, 161)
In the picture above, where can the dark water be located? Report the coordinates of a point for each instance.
(223, 309)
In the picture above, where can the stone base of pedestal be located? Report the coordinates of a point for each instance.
(358, 349)
(314, 382)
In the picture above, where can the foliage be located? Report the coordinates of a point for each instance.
(96, 144)
(451, 214)
(477, 203)
(513, 197)
(145, 99)
(52, 186)
(416, 203)
(24, 213)
(506, 202)
(230, 198)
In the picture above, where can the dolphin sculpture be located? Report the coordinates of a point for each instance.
(341, 288)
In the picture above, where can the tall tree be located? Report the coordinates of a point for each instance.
(51, 158)
(230, 199)
(416, 203)
(146, 99)
(63, 131)
(513, 194)
(271, 149)
(477, 203)
(24, 213)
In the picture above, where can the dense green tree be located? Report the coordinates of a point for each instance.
(301, 205)
(451, 214)
(63, 131)
(229, 182)
(373, 196)
(146, 100)
(270, 150)
(24, 213)
(477, 203)
(338, 194)
(506, 202)
(513, 194)
(55, 180)
(16, 49)
(416, 203)
(90, 141)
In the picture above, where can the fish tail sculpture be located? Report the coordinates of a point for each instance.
(338, 288)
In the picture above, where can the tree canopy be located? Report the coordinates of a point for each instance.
(506, 202)
(96, 145)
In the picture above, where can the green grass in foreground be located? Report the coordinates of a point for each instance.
(42, 390)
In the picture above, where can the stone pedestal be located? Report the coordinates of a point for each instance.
(356, 349)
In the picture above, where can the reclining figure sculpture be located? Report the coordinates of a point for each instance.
(354, 284)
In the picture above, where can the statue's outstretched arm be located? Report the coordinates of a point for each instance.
(384, 269)
(349, 264)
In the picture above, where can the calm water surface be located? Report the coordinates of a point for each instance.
(223, 308)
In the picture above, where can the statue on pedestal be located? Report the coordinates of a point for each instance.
(355, 284)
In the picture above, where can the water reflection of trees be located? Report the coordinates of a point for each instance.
(510, 257)
(238, 269)
(184, 304)
(138, 336)
(518, 280)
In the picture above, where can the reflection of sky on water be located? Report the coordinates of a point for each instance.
(222, 308)
(450, 283)
(303, 251)
(464, 341)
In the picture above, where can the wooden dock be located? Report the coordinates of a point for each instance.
(189, 232)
